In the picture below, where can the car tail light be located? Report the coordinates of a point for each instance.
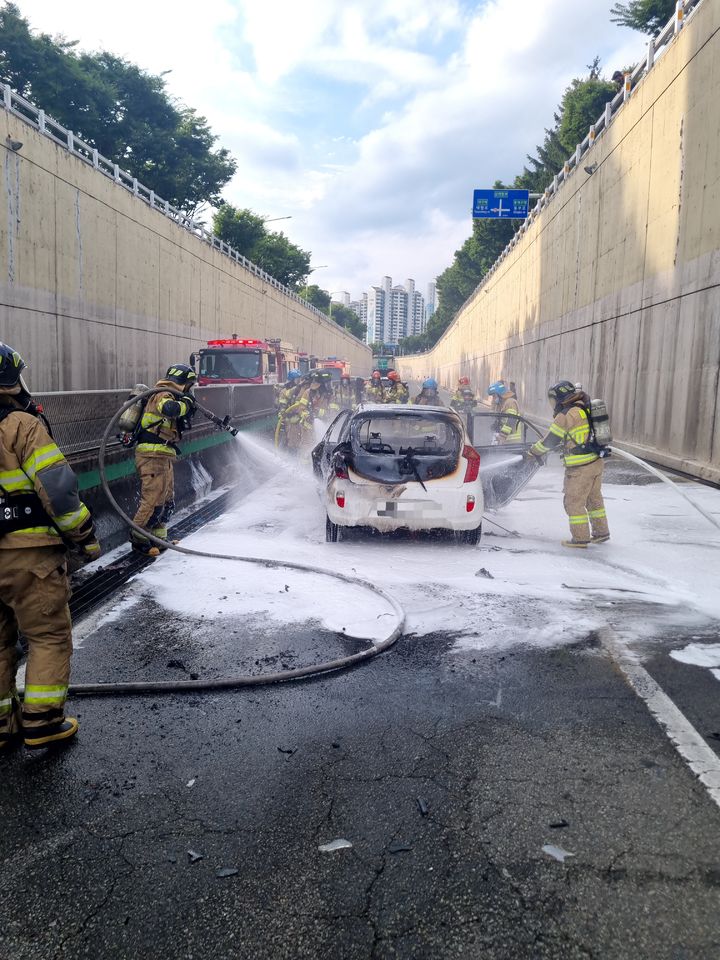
(341, 470)
(340, 499)
(473, 467)
(470, 504)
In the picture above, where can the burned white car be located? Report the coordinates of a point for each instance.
(400, 467)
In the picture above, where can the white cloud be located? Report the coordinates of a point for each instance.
(435, 120)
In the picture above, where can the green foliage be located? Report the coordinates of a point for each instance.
(245, 231)
(582, 104)
(282, 259)
(343, 316)
(118, 108)
(316, 296)
(649, 16)
(347, 318)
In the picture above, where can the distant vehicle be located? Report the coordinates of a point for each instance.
(241, 360)
(336, 368)
(384, 362)
(396, 467)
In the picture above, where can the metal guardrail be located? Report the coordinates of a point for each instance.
(78, 419)
(17, 105)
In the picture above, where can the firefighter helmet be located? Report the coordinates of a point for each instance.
(497, 389)
(562, 391)
(294, 375)
(393, 375)
(430, 384)
(181, 374)
(376, 375)
(464, 382)
(11, 366)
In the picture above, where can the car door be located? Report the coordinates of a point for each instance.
(502, 471)
(323, 451)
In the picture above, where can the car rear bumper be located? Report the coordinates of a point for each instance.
(404, 508)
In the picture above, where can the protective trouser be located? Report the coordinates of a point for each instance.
(583, 501)
(34, 594)
(156, 495)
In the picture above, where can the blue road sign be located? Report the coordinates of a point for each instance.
(500, 204)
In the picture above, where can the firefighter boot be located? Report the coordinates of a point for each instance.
(582, 544)
(51, 734)
(600, 538)
(10, 732)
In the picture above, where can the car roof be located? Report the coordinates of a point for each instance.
(401, 409)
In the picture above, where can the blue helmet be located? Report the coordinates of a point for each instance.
(429, 384)
(294, 375)
(497, 389)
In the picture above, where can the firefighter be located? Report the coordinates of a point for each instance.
(508, 427)
(374, 390)
(298, 416)
(164, 419)
(324, 404)
(463, 400)
(41, 513)
(582, 489)
(398, 391)
(346, 392)
(428, 396)
(285, 398)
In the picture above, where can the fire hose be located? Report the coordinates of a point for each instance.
(241, 680)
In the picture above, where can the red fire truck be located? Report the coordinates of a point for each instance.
(335, 367)
(240, 360)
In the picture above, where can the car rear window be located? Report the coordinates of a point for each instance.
(412, 446)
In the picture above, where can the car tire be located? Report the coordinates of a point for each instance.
(332, 531)
(470, 538)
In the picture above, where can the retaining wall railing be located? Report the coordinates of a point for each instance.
(17, 105)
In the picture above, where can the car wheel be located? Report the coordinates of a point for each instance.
(471, 538)
(332, 531)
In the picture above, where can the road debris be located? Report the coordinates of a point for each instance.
(191, 783)
(222, 872)
(194, 856)
(557, 853)
(422, 806)
(482, 572)
(333, 845)
(558, 824)
(399, 848)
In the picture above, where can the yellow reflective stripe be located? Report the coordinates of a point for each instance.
(506, 428)
(5, 705)
(183, 405)
(540, 447)
(580, 518)
(11, 480)
(154, 420)
(597, 514)
(46, 531)
(578, 459)
(68, 521)
(558, 431)
(155, 448)
(44, 457)
(44, 693)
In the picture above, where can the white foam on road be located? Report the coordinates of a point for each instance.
(699, 654)
(660, 568)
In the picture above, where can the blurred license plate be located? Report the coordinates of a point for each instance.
(406, 508)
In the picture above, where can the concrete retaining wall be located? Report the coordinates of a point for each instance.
(616, 283)
(98, 290)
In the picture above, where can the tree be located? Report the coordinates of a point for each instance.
(347, 318)
(648, 16)
(582, 104)
(316, 296)
(242, 229)
(118, 108)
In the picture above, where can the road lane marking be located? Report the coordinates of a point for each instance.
(703, 761)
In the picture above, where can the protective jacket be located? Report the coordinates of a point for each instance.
(374, 393)
(509, 428)
(571, 430)
(426, 400)
(285, 397)
(162, 422)
(462, 399)
(38, 486)
(397, 393)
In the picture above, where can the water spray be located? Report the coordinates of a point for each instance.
(224, 683)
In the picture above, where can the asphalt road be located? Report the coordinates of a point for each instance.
(448, 772)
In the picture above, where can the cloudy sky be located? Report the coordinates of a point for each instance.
(368, 121)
